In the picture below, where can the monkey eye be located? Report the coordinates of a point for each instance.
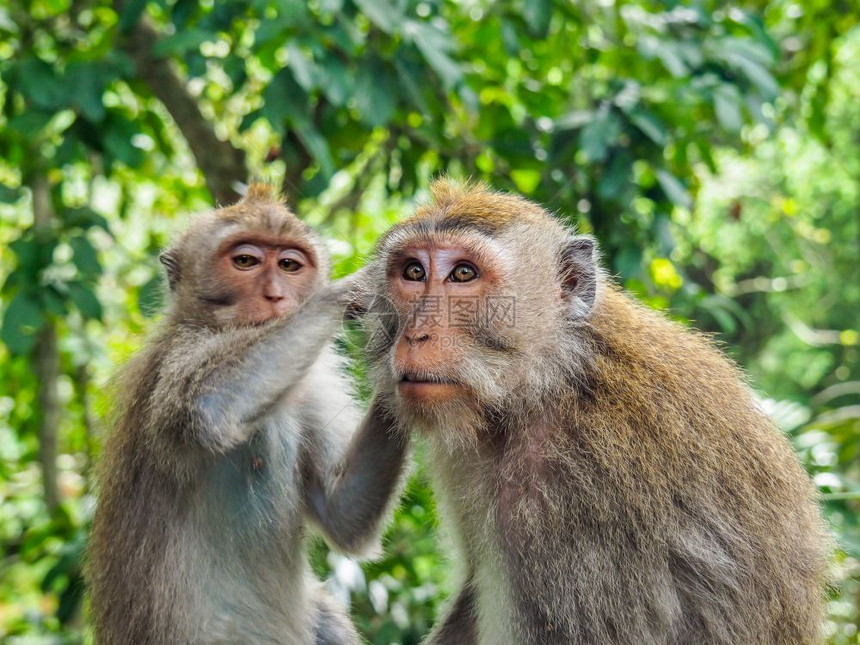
(463, 272)
(244, 261)
(414, 272)
(289, 265)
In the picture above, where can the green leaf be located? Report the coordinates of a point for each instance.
(305, 70)
(52, 301)
(85, 257)
(22, 319)
(337, 80)
(72, 149)
(574, 120)
(249, 119)
(526, 180)
(41, 84)
(87, 82)
(84, 218)
(382, 13)
(34, 253)
(131, 14)
(433, 45)
(598, 136)
(375, 93)
(284, 99)
(181, 42)
(727, 106)
(668, 54)
(752, 66)
(746, 48)
(182, 12)
(9, 195)
(649, 125)
(407, 74)
(613, 181)
(537, 14)
(724, 320)
(628, 262)
(116, 137)
(673, 188)
(85, 300)
(316, 144)
(234, 67)
(761, 78)
(70, 599)
(30, 123)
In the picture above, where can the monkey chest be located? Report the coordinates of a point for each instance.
(254, 484)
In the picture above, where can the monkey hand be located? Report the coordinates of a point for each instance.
(357, 295)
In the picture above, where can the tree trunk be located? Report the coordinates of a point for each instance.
(46, 361)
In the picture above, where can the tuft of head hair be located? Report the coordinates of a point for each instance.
(260, 192)
(263, 208)
(475, 204)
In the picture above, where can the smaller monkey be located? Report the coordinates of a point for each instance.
(236, 427)
(606, 475)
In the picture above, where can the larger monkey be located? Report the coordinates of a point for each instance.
(606, 474)
(234, 427)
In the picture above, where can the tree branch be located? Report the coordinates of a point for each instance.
(222, 164)
(46, 361)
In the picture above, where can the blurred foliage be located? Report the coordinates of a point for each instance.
(712, 148)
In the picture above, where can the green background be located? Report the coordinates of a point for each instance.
(711, 147)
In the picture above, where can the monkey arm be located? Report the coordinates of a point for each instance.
(350, 500)
(216, 384)
(458, 627)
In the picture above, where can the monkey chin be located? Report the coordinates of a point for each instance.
(445, 413)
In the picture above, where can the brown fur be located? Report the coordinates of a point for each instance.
(615, 480)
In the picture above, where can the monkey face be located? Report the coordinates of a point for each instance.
(259, 277)
(244, 264)
(440, 291)
(491, 297)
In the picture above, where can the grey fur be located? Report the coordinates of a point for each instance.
(228, 441)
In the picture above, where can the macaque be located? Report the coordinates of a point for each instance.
(606, 475)
(235, 427)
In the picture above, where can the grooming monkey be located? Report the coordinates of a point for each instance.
(606, 475)
(235, 425)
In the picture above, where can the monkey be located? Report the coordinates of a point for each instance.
(606, 476)
(235, 430)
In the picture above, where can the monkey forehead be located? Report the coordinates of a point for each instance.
(423, 234)
(264, 220)
(474, 207)
(521, 239)
(273, 219)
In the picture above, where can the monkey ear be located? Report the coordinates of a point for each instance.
(579, 274)
(170, 260)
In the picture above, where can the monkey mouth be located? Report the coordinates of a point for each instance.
(424, 378)
(416, 378)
